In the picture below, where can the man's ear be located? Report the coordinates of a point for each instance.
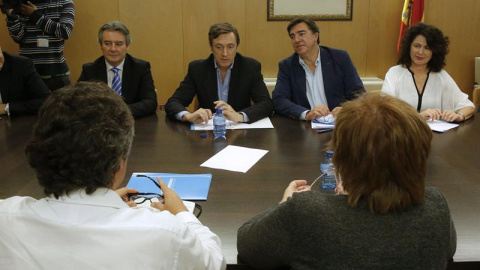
(120, 174)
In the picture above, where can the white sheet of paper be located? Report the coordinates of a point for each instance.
(324, 122)
(262, 123)
(235, 158)
(441, 126)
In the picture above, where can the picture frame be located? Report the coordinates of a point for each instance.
(317, 10)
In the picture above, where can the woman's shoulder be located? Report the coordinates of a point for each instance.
(435, 197)
(397, 71)
(398, 68)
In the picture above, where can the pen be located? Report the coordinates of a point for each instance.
(324, 130)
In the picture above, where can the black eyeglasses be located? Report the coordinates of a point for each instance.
(140, 198)
(151, 179)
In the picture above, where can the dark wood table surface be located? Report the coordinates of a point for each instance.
(294, 152)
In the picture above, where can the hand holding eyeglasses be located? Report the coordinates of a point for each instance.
(172, 202)
(295, 186)
(124, 194)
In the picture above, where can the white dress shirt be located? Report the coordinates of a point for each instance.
(110, 72)
(314, 85)
(440, 92)
(99, 231)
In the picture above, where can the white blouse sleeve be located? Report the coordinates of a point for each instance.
(389, 84)
(453, 98)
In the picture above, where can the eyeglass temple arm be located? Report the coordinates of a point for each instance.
(151, 179)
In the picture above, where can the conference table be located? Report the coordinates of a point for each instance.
(294, 152)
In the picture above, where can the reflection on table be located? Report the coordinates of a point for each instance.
(295, 152)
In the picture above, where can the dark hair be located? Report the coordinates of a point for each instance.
(114, 26)
(381, 146)
(222, 28)
(81, 134)
(437, 42)
(311, 25)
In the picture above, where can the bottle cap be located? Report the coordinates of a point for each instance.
(219, 111)
(329, 154)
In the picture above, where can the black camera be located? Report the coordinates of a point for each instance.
(13, 4)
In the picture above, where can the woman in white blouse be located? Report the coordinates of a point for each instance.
(419, 78)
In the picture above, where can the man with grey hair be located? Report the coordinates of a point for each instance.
(79, 151)
(130, 77)
(225, 80)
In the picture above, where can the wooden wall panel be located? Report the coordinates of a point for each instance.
(384, 26)
(156, 32)
(83, 47)
(459, 20)
(198, 16)
(6, 41)
(349, 35)
(268, 41)
(171, 33)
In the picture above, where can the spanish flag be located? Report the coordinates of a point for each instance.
(412, 14)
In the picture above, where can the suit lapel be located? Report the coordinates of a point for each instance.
(101, 70)
(299, 74)
(327, 71)
(6, 83)
(234, 86)
(210, 82)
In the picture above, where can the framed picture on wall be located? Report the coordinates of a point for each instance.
(317, 10)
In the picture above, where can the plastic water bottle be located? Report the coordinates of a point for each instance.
(219, 128)
(328, 180)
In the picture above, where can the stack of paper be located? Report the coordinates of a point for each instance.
(441, 126)
(324, 122)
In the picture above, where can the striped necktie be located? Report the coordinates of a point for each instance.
(116, 82)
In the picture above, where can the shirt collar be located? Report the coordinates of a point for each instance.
(317, 62)
(120, 66)
(101, 197)
(216, 67)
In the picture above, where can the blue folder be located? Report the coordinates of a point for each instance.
(188, 186)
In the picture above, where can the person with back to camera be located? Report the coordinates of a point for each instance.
(420, 80)
(384, 217)
(80, 158)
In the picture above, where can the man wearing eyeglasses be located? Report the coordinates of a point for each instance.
(225, 80)
(80, 158)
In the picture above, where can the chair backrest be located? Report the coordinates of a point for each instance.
(476, 97)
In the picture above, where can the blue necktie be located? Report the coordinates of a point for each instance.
(116, 82)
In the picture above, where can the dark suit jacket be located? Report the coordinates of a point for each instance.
(246, 85)
(21, 86)
(138, 90)
(340, 80)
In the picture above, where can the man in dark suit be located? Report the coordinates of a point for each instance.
(314, 80)
(225, 80)
(130, 77)
(22, 91)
